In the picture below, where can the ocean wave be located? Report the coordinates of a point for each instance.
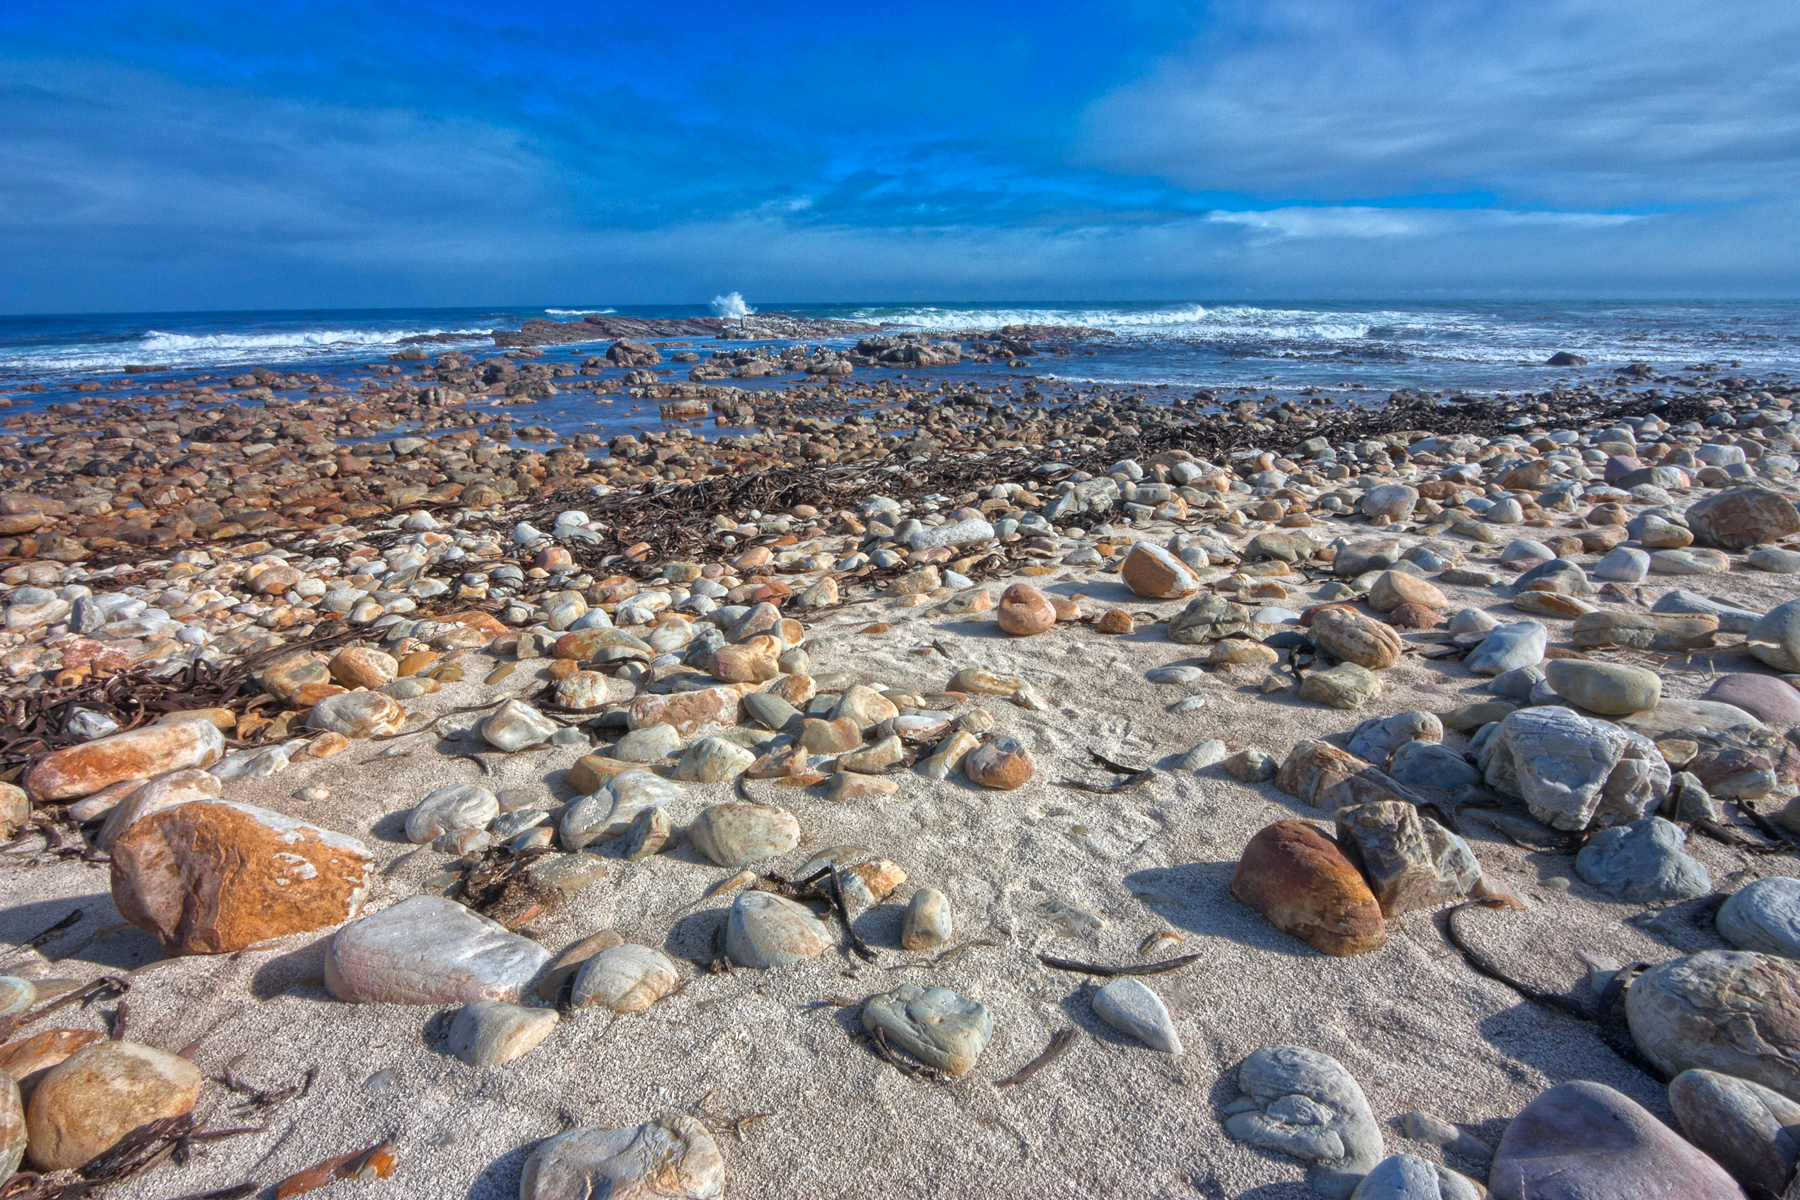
(158, 347)
(579, 312)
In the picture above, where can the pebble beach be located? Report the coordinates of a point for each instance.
(851, 760)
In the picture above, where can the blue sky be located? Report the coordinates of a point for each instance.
(160, 156)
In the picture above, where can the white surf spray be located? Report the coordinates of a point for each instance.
(731, 306)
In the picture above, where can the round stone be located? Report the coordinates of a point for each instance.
(626, 978)
(735, 834)
(450, 808)
(926, 924)
(88, 1103)
(1612, 689)
(765, 930)
(1002, 763)
(935, 1025)
(1775, 701)
(487, 1033)
(1745, 1128)
(1763, 917)
(1025, 611)
(1730, 1011)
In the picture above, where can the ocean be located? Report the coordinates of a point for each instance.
(1372, 348)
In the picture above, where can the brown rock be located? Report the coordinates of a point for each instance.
(795, 689)
(1743, 517)
(686, 711)
(820, 736)
(1299, 879)
(1665, 633)
(1114, 620)
(1353, 637)
(215, 876)
(1154, 572)
(1415, 616)
(755, 661)
(29, 1059)
(166, 791)
(1002, 763)
(142, 753)
(1025, 611)
(1312, 768)
(591, 772)
(88, 1103)
(364, 667)
(474, 619)
(1394, 588)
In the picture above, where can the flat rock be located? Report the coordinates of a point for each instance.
(1688, 718)
(1305, 1105)
(213, 876)
(736, 834)
(1571, 771)
(1680, 602)
(1688, 562)
(429, 950)
(1752, 1132)
(88, 1103)
(1345, 686)
(1585, 1141)
(673, 1158)
(1764, 917)
(1129, 1006)
(1642, 863)
(1300, 880)
(1730, 1011)
(141, 754)
(1612, 689)
(935, 1025)
(487, 1033)
(766, 930)
(1207, 619)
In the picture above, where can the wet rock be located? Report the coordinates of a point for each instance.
(450, 808)
(926, 924)
(1346, 685)
(490, 1032)
(1155, 573)
(1507, 648)
(673, 1158)
(765, 930)
(429, 950)
(1612, 689)
(1349, 635)
(516, 725)
(1303, 1104)
(735, 835)
(1299, 879)
(1571, 771)
(1764, 917)
(1585, 1141)
(213, 876)
(1752, 1132)
(1410, 861)
(935, 1025)
(90, 1101)
(1721, 1010)
(626, 979)
(1642, 863)
(357, 715)
(1003, 763)
(141, 754)
(1129, 1006)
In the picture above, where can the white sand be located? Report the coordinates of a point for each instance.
(1417, 1028)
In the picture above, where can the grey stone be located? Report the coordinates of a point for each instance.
(935, 1025)
(736, 835)
(1688, 800)
(927, 923)
(1431, 765)
(626, 979)
(1571, 771)
(771, 711)
(1686, 718)
(1612, 689)
(713, 760)
(1623, 564)
(1509, 647)
(487, 1033)
(1688, 562)
(1470, 621)
(962, 533)
(1409, 1177)
(1206, 754)
(1732, 619)
(765, 930)
(1129, 1006)
(673, 1158)
(1776, 637)
(1175, 674)
(1775, 560)
(1410, 861)
(1764, 916)
(1346, 686)
(515, 725)
(1642, 863)
(1516, 684)
(1751, 1131)
(652, 743)
(450, 808)
(429, 950)
(1378, 737)
(1374, 554)
(649, 832)
(1303, 1104)
(609, 812)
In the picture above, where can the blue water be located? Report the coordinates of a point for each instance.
(1480, 347)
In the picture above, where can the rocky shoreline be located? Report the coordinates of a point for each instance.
(558, 816)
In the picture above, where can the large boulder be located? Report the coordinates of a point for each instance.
(140, 754)
(1721, 1010)
(1752, 1132)
(1743, 517)
(1585, 1141)
(1299, 879)
(214, 876)
(1571, 771)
